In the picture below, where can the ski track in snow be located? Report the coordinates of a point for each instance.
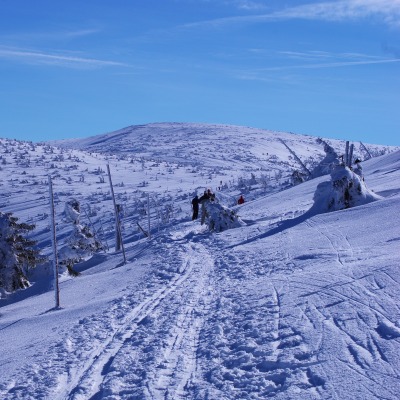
(176, 310)
(347, 316)
(89, 383)
(177, 366)
(258, 362)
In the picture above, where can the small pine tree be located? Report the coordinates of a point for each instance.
(81, 244)
(219, 218)
(17, 254)
(348, 190)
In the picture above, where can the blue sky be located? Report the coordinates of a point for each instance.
(78, 68)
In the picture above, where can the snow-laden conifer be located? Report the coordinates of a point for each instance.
(349, 189)
(17, 253)
(82, 242)
(219, 218)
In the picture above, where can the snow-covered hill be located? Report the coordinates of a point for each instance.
(290, 305)
(220, 148)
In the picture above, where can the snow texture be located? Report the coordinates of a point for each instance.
(298, 299)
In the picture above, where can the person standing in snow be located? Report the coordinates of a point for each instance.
(204, 197)
(241, 199)
(195, 207)
(207, 196)
(211, 195)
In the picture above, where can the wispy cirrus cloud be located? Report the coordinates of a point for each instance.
(387, 11)
(250, 5)
(80, 33)
(320, 55)
(63, 60)
(334, 64)
(37, 36)
(311, 60)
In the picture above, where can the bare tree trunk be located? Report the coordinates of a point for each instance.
(54, 243)
(118, 234)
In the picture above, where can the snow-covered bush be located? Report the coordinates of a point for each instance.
(298, 177)
(346, 189)
(72, 211)
(219, 218)
(81, 244)
(17, 254)
(349, 189)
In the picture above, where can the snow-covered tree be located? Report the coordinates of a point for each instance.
(17, 253)
(72, 211)
(297, 177)
(82, 242)
(349, 189)
(219, 218)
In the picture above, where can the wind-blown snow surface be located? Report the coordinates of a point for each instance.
(291, 305)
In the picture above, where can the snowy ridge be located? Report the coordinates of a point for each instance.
(214, 145)
(295, 303)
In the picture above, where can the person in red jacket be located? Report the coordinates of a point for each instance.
(241, 199)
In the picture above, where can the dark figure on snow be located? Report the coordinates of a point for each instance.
(211, 195)
(208, 195)
(203, 197)
(195, 207)
(241, 199)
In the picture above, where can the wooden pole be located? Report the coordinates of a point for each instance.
(54, 243)
(351, 155)
(118, 234)
(148, 214)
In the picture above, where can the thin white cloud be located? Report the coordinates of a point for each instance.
(31, 37)
(388, 10)
(80, 33)
(332, 64)
(249, 5)
(35, 57)
(341, 60)
(325, 55)
(341, 10)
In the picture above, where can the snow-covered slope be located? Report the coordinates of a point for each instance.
(291, 305)
(225, 147)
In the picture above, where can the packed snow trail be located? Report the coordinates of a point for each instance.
(159, 361)
(153, 353)
(100, 353)
(89, 384)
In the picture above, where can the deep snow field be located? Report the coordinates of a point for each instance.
(291, 305)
